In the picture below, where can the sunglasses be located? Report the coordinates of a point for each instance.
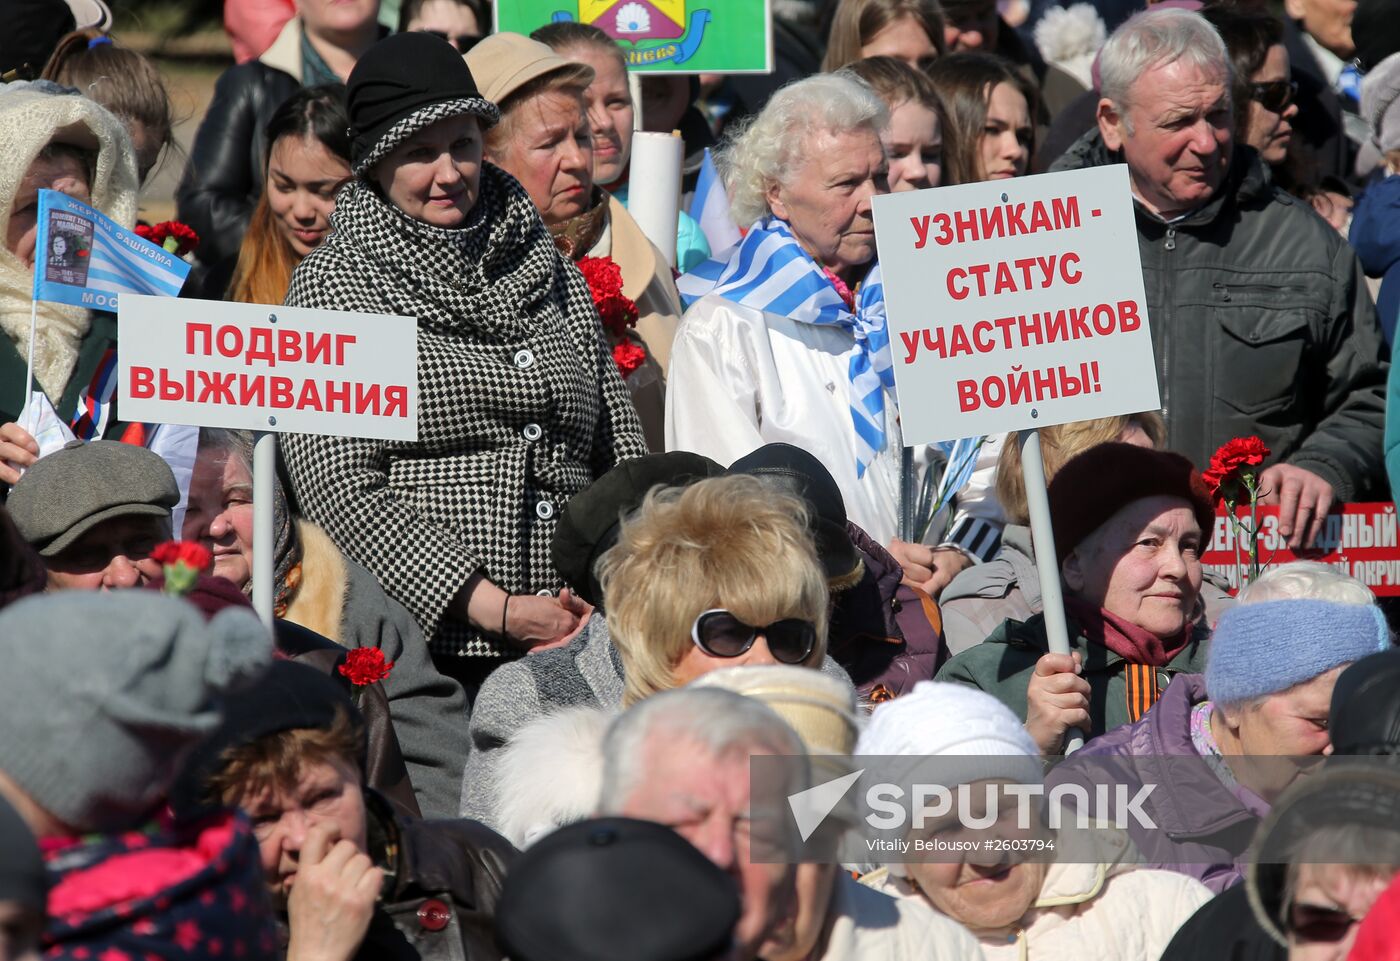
(1308, 922)
(1275, 95)
(463, 42)
(720, 634)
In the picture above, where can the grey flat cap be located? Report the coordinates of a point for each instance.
(71, 491)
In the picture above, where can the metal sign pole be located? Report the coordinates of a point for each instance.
(264, 480)
(1043, 537)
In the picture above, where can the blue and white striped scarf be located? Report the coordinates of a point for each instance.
(769, 271)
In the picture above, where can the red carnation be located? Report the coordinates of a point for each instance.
(628, 356)
(365, 665)
(190, 553)
(1231, 463)
(617, 311)
(175, 237)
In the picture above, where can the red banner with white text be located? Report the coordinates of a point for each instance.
(1358, 539)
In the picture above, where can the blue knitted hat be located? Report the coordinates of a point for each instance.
(1264, 648)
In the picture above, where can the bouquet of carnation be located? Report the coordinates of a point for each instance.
(172, 236)
(617, 310)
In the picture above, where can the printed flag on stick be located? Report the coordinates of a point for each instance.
(85, 259)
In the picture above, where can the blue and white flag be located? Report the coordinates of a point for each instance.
(85, 259)
(710, 208)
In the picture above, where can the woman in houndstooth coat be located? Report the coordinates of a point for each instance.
(520, 403)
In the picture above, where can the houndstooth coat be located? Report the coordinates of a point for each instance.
(520, 405)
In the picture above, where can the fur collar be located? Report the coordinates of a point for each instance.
(318, 603)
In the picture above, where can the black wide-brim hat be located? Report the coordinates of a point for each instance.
(402, 84)
(592, 520)
(799, 472)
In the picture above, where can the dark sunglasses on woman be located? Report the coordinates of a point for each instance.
(1310, 922)
(1274, 96)
(720, 634)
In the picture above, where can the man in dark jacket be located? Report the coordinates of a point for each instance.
(1260, 316)
(1318, 38)
(351, 877)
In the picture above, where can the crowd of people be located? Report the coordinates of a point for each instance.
(661, 521)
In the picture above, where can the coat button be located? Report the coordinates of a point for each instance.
(524, 359)
(533, 432)
(544, 592)
(433, 915)
(545, 510)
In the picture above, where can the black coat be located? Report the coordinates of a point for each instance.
(442, 880)
(1261, 324)
(224, 175)
(1224, 929)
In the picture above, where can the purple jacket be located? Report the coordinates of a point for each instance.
(883, 632)
(1202, 827)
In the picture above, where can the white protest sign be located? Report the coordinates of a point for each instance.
(1015, 304)
(256, 367)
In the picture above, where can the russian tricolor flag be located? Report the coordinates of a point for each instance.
(710, 208)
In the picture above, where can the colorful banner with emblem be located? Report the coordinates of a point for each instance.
(663, 36)
(85, 259)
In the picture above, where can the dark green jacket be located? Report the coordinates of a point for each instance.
(1002, 666)
(1262, 324)
(101, 335)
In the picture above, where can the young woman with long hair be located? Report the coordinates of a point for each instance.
(308, 160)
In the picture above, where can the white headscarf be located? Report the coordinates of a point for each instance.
(34, 115)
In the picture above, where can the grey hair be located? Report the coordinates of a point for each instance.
(236, 443)
(1306, 580)
(719, 721)
(1157, 37)
(768, 149)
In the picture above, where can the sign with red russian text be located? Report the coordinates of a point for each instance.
(1015, 303)
(255, 367)
(1358, 540)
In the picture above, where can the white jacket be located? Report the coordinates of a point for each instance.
(741, 378)
(867, 925)
(1087, 911)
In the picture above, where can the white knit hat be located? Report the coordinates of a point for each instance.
(940, 719)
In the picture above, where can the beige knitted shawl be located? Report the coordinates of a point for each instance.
(31, 119)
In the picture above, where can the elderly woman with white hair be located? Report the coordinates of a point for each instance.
(1266, 693)
(1017, 906)
(785, 340)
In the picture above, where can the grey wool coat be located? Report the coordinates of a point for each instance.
(520, 405)
(341, 600)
